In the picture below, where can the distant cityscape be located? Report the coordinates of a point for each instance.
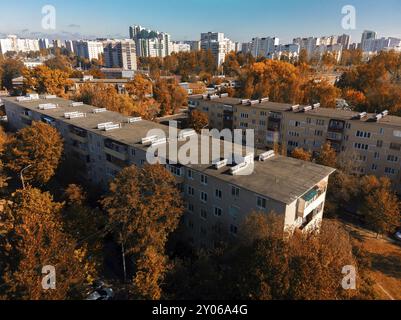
(144, 42)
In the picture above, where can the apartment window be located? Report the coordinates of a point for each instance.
(262, 122)
(218, 193)
(320, 122)
(261, 203)
(203, 231)
(190, 207)
(235, 192)
(263, 113)
(392, 158)
(203, 196)
(390, 171)
(204, 179)
(190, 224)
(244, 116)
(395, 146)
(348, 125)
(377, 155)
(133, 152)
(308, 120)
(318, 133)
(292, 143)
(346, 138)
(381, 131)
(233, 230)
(142, 162)
(190, 174)
(297, 123)
(374, 167)
(218, 212)
(203, 214)
(361, 146)
(191, 191)
(379, 143)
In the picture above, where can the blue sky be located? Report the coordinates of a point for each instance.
(185, 19)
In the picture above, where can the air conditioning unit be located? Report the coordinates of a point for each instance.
(316, 105)
(99, 110)
(134, 119)
(48, 106)
(253, 102)
(220, 164)
(264, 100)
(224, 95)
(74, 115)
(112, 127)
(266, 155)
(101, 126)
(294, 107)
(308, 108)
(33, 96)
(149, 139)
(159, 141)
(244, 101)
(186, 133)
(76, 104)
(238, 168)
(22, 99)
(50, 97)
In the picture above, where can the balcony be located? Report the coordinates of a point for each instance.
(309, 202)
(116, 154)
(78, 138)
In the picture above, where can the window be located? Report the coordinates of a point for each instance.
(320, 122)
(389, 171)
(218, 193)
(395, 146)
(261, 203)
(348, 125)
(190, 174)
(377, 155)
(363, 134)
(392, 158)
(190, 207)
(203, 196)
(361, 146)
(379, 143)
(374, 167)
(233, 230)
(218, 212)
(244, 115)
(381, 131)
(203, 214)
(318, 133)
(235, 192)
(263, 113)
(203, 231)
(191, 191)
(308, 120)
(204, 179)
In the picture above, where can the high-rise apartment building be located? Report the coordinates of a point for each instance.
(263, 47)
(150, 43)
(14, 44)
(120, 54)
(88, 49)
(344, 40)
(218, 44)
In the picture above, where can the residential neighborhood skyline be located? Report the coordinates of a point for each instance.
(239, 22)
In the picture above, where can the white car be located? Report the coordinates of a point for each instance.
(397, 235)
(101, 294)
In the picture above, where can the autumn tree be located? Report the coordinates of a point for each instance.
(170, 95)
(380, 205)
(327, 156)
(303, 266)
(10, 69)
(83, 223)
(355, 99)
(37, 149)
(144, 207)
(320, 91)
(301, 154)
(198, 120)
(33, 238)
(140, 87)
(42, 80)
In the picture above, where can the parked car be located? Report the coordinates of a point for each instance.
(101, 292)
(397, 235)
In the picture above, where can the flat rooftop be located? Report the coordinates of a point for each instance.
(338, 114)
(280, 178)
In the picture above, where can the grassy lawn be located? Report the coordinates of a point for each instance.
(386, 262)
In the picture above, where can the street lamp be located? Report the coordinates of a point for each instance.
(22, 176)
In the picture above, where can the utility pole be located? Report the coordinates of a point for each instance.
(22, 176)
